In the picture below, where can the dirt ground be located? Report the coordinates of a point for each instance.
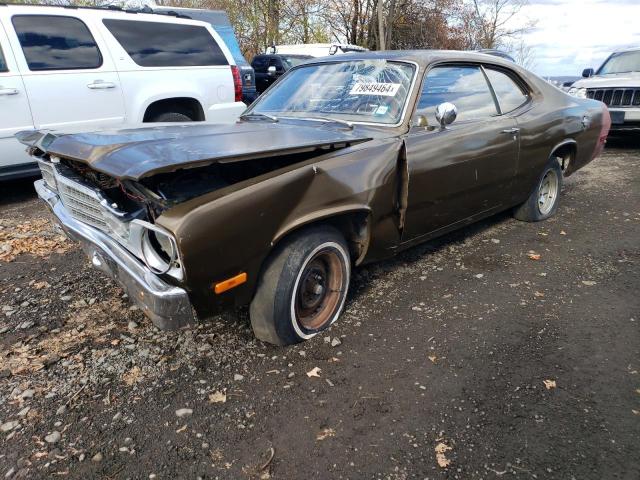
(505, 350)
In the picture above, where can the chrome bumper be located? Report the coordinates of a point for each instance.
(167, 306)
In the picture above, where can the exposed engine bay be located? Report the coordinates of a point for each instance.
(157, 193)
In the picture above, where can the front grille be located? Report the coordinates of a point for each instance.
(82, 203)
(46, 169)
(616, 97)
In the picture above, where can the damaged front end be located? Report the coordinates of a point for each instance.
(111, 207)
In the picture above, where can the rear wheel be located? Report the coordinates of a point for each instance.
(543, 201)
(172, 117)
(303, 287)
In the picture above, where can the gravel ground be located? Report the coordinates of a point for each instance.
(504, 350)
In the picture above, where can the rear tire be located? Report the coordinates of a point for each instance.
(303, 287)
(543, 201)
(171, 117)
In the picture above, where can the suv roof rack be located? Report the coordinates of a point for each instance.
(146, 9)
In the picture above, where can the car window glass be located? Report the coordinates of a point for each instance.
(465, 87)
(259, 63)
(156, 44)
(510, 95)
(3, 63)
(56, 43)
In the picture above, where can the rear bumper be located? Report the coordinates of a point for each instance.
(166, 305)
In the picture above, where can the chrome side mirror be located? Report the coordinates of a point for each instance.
(446, 113)
(271, 71)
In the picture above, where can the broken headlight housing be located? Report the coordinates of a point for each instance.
(158, 249)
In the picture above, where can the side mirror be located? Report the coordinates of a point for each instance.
(446, 113)
(271, 71)
(588, 72)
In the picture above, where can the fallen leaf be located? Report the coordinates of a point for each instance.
(433, 358)
(181, 429)
(325, 433)
(538, 294)
(549, 384)
(314, 372)
(635, 412)
(534, 256)
(562, 232)
(440, 450)
(589, 283)
(132, 376)
(218, 397)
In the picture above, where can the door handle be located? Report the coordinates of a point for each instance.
(100, 85)
(511, 130)
(8, 91)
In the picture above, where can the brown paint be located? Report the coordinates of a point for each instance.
(386, 188)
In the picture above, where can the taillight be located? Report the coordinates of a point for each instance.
(237, 82)
(604, 131)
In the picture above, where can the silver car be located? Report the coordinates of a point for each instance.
(617, 84)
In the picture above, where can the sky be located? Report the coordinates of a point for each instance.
(571, 35)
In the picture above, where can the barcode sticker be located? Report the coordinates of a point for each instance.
(386, 89)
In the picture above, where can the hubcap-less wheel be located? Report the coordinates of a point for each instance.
(548, 192)
(319, 290)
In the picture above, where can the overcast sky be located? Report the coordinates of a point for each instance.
(575, 34)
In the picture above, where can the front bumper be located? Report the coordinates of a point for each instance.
(625, 119)
(166, 305)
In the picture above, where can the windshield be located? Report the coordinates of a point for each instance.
(621, 63)
(373, 91)
(294, 61)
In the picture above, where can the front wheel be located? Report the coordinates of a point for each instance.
(543, 201)
(303, 287)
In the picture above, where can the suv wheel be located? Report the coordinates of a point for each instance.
(172, 117)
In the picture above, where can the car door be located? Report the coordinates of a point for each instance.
(68, 73)
(466, 170)
(15, 114)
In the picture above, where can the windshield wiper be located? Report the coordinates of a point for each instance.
(259, 115)
(349, 125)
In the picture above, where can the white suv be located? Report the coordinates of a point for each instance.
(80, 69)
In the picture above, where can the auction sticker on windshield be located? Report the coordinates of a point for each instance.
(386, 89)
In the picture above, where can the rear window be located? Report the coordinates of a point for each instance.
(156, 44)
(260, 63)
(56, 43)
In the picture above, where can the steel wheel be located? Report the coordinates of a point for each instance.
(548, 192)
(319, 288)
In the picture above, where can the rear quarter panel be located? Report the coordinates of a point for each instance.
(553, 119)
(233, 230)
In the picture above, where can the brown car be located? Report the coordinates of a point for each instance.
(341, 162)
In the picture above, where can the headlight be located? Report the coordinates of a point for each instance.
(578, 92)
(159, 250)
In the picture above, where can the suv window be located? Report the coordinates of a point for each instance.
(3, 64)
(156, 44)
(52, 42)
(466, 87)
(509, 94)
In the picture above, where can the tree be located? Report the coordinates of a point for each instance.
(492, 23)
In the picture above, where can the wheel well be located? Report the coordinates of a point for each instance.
(354, 226)
(187, 106)
(566, 152)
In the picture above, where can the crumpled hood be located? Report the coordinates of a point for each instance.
(629, 79)
(136, 153)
